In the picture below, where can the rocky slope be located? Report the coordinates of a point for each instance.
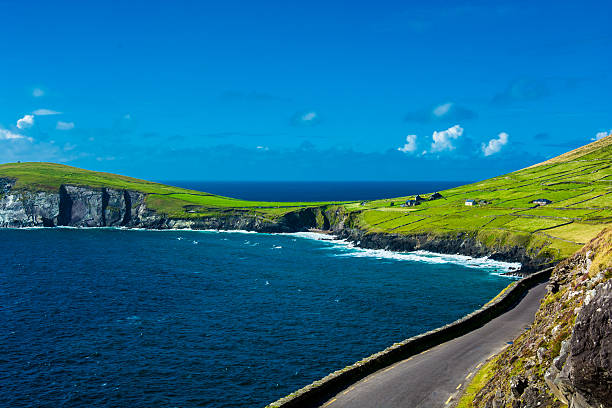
(565, 358)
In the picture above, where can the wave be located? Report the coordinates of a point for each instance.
(348, 249)
(352, 250)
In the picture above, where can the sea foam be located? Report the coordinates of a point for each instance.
(350, 249)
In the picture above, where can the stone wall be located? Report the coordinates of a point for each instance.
(314, 394)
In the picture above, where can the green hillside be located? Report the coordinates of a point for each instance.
(579, 184)
(175, 202)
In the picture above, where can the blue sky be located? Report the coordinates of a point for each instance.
(318, 90)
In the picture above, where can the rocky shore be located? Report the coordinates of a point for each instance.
(82, 206)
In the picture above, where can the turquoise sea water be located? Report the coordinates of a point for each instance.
(316, 190)
(103, 317)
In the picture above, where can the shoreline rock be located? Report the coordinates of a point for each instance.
(82, 206)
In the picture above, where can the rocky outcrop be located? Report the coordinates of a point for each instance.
(581, 376)
(76, 206)
(26, 209)
(114, 204)
(565, 358)
(81, 206)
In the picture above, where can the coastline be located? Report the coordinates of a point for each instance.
(499, 268)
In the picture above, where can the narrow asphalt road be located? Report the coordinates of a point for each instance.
(435, 377)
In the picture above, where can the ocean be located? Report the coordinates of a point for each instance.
(316, 190)
(109, 317)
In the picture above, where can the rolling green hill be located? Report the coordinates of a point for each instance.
(579, 184)
(175, 202)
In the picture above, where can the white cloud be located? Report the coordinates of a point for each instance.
(601, 135)
(26, 122)
(107, 158)
(64, 125)
(264, 148)
(443, 140)
(37, 92)
(8, 135)
(308, 117)
(45, 112)
(410, 145)
(495, 145)
(442, 110)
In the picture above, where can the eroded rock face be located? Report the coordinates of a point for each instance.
(113, 202)
(24, 209)
(139, 215)
(585, 378)
(75, 206)
(13, 212)
(81, 206)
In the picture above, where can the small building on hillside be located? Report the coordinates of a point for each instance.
(435, 196)
(541, 201)
(411, 203)
(418, 198)
(470, 202)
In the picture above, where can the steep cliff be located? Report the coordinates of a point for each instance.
(77, 206)
(565, 357)
(85, 206)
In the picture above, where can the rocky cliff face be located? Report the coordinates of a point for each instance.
(81, 206)
(26, 209)
(565, 358)
(75, 206)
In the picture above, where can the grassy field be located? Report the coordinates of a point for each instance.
(579, 184)
(174, 201)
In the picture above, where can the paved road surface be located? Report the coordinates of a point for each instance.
(435, 377)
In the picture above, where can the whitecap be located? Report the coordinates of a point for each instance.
(350, 249)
